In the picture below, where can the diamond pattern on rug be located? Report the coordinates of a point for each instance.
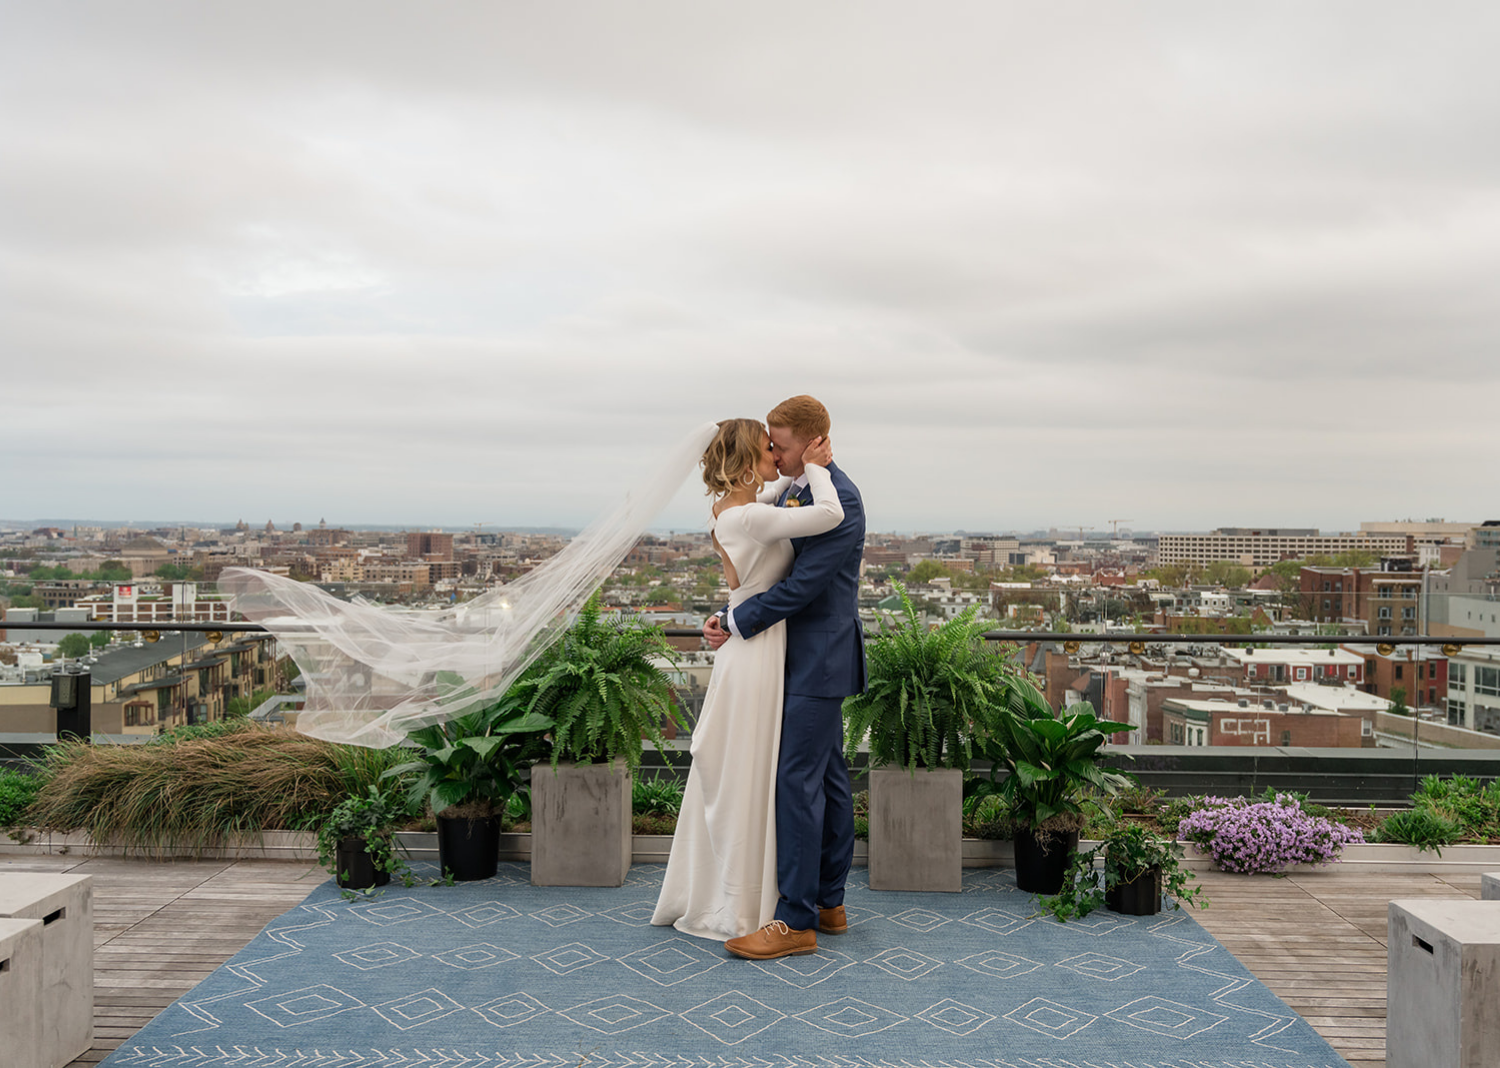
(501, 974)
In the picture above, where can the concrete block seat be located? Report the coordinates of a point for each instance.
(64, 909)
(1442, 984)
(1489, 886)
(21, 993)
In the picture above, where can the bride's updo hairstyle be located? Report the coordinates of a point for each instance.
(734, 453)
(804, 416)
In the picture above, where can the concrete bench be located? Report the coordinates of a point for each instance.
(1489, 886)
(63, 904)
(1442, 983)
(21, 992)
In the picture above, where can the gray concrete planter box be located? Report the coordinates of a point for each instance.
(916, 829)
(580, 824)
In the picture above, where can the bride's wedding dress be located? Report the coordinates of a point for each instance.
(721, 875)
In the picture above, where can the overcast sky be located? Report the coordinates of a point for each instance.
(1185, 265)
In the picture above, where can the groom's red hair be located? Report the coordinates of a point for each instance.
(804, 416)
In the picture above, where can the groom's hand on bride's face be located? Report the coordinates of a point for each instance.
(714, 634)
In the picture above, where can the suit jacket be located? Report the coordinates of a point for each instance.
(819, 599)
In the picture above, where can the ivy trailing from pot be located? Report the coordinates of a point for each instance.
(1139, 867)
(356, 842)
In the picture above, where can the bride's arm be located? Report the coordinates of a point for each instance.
(772, 490)
(825, 512)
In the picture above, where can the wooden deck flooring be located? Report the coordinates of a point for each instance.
(1317, 940)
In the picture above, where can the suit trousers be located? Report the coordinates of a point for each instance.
(814, 810)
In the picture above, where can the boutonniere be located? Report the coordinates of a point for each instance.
(792, 502)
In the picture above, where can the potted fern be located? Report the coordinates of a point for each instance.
(604, 689)
(468, 768)
(1054, 765)
(931, 693)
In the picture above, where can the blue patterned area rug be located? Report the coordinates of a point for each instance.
(501, 974)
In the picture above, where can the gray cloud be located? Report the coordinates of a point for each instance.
(1051, 263)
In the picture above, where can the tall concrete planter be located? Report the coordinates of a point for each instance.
(580, 824)
(916, 829)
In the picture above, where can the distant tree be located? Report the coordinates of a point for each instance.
(661, 595)
(27, 601)
(74, 645)
(114, 573)
(1356, 558)
(1398, 701)
(99, 639)
(179, 573)
(927, 570)
(1226, 573)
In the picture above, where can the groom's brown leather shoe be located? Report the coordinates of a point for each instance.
(773, 940)
(833, 921)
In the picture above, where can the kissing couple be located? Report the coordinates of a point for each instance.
(765, 836)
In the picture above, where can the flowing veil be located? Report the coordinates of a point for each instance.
(373, 672)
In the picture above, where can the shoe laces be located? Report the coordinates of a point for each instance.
(778, 926)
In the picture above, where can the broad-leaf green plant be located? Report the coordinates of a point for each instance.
(1055, 762)
(603, 689)
(470, 766)
(931, 693)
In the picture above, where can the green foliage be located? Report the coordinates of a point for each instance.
(1055, 762)
(100, 638)
(1226, 573)
(1473, 808)
(477, 761)
(931, 694)
(601, 689)
(179, 573)
(191, 791)
(926, 571)
(241, 707)
(1398, 702)
(1420, 827)
(1128, 851)
(73, 645)
(18, 789)
(372, 817)
(658, 796)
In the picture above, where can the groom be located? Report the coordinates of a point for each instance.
(825, 662)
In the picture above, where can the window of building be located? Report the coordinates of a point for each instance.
(1326, 587)
(1458, 676)
(1432, 669)
(1432, 695)
(1353, 671)
(1487, 680)
(1399, 669)
(1286, 737)
(1382, 630)
(1177, 734)
(1408, 613)
(1302, 674)
(1383, 612)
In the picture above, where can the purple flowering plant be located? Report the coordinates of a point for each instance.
(1264, 836)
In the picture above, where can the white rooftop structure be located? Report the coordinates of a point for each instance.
(1334, 698)
(1294, 656)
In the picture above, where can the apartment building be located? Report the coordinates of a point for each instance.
(1262, 547)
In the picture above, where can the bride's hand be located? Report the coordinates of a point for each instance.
(819, 451)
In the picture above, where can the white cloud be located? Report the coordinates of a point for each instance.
(1046, 263)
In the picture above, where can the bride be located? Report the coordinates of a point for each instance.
(721, 876)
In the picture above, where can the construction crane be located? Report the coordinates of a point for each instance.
(1114, 525)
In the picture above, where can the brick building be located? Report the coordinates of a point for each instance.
(1384, 600)
(1245, 722)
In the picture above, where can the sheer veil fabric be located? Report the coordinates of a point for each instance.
(374, 673)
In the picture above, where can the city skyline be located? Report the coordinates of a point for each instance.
(1198, 266)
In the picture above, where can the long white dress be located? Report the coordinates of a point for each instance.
(721, 876)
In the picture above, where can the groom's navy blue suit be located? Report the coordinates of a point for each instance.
(825, 663)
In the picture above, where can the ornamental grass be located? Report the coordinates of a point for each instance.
(189, 795)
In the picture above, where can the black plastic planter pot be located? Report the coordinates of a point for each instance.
(353, 868)
(1139, 897)
(470, 849)
(1041, 865)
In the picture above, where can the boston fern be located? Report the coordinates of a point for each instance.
(929, 692)
(602, 688)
